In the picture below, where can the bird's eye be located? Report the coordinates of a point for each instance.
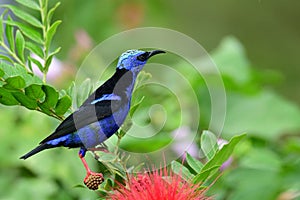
(142, 57)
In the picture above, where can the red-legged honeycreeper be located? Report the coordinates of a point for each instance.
(102, 114)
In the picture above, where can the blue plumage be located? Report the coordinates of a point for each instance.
(101, 115)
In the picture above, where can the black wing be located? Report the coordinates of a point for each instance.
(85, 115)
(90, 112)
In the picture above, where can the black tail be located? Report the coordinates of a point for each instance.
(39, 148)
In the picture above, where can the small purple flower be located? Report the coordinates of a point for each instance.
(55, 69)
(183, 142)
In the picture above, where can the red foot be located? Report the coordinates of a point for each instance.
(92, 179)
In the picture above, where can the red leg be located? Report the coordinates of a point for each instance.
(88, 170)
(92, 179)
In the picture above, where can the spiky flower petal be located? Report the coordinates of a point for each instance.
(159, 185)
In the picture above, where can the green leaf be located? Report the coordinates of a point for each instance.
(195, 164)
(223, 154)
(11, 70)
(230, 57)
(135, 106)
(80, 186)
(274, 115)
(25, 100)
(51, 12)
(107, 157)
(125, 127)
(28, 77)
(83, 91)
(1, 27)
(26, 30)
(63, 105)
(24, 16)
(72, 92)
(54, 52)
(44, 6)
(50, 33)
(1, 73)
(48, 63)
(29, 3)
(35, 49)
(142, 78)
(51, 96)
(49, 59)
(204, 174)
(35, 92)
(37, 63)
(18, 70)
(45, 109)
(6, 98)
(245, 184)
(7, 58)
(146, 145)
(209, 144)
(20, 44)
(121, 133)
(116, 168)
(261, 158)
(9, 33)
(108, 184)
(220, 157)
(16, 82)
(181, 170)
(29, 64)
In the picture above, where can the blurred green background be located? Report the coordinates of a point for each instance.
(260, 39)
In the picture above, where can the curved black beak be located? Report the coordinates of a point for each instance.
(152, 53)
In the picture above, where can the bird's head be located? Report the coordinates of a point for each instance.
(134, 60)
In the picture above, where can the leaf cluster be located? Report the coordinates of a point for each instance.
(195, 170)
(26, 42)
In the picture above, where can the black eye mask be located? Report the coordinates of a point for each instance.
(143, 57)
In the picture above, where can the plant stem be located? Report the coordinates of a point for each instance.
(44, 77)
(117, 146)
(43, 7)
(12, 54)
(52, 114)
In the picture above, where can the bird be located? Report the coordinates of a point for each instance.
(102, 113)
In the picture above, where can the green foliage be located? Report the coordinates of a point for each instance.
(22, 88)
(115, 170)
(268, 119)
(181, 170)
(200, 172)
(209, 144)
(195, 164)
(24, 16)
(19, 85)
(251, 107)
(218, 159)
(268, 158)
(79, 93)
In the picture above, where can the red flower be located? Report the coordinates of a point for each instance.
(159, 185)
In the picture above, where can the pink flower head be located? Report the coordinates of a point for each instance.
(159, 185)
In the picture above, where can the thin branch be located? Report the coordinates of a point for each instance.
(12, 54)
(44, 29)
